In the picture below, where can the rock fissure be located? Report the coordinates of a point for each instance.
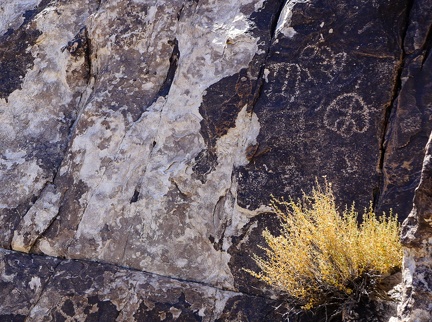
(99, 4)
(427, 46)
(32, 203)
(179, 13)
(41, 293)
(397, 85)
(391, 122)
(89, 58)
(276, 19)
(49, 224)
(261, 76)
(169, 78)
(195, 282)
(126, 243)
(135, 195)
(131, 269)
(82, 45)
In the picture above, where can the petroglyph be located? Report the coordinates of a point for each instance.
(291, 75)
(347, 114)
(323, 59)
(316, 64)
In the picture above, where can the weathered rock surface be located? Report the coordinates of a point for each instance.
(151, 134)
(409, 125)
(417, 238)
(49, 289)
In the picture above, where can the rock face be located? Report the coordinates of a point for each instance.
(151, 134)
(51, 289)
(417, 238)
(409, 120)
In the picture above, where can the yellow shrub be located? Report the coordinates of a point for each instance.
(322, 256)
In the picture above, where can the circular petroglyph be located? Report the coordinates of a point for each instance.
(347, 114)
(324, 59)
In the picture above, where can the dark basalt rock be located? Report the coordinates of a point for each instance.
(325, 100)
(241, 253)
(13, 66)
(409, 123)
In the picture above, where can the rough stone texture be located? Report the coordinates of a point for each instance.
(409, 125)
(324, 101)
(417, 238)
(49, 289)
(151, 134)
(38, 104)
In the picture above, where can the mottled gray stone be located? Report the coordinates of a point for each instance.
(151, 134)
(41, 288)
(416, 305)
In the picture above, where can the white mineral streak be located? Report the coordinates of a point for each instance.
(35, 113)
(160, 233)
(167, 229)
(205, 59)
(284, 22)
(415, 264)
(231, 150)
(12, 11)
(35, 283)
(36, 220)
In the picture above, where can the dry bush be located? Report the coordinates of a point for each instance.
(323, 257)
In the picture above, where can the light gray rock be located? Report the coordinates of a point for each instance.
(37, 105)
(131, 140)
(12, 13)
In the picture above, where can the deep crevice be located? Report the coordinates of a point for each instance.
(131, 269)
(88, 57)
(175, 55)
(99, 3)
(428, 45)
(274, 23)
(81, 45)
(386, 126)
(166, 85)
(179, 13)
(260, 78)
(135, 196)
(217, 240)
